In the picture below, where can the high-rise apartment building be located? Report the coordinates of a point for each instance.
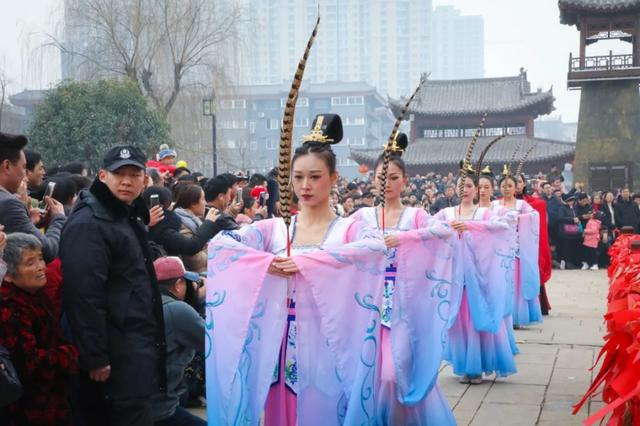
(380, 42)
(457, 45)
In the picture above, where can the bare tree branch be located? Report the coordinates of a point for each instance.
(3, 92)
(157, 43)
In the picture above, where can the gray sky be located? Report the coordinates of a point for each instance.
(518, 33)
(527, 33)
(23, 24)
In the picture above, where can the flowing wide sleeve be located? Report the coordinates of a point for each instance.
(544, 251)
(338, 294)
(528, 242)
(426, 297)
(246, 313)
(488, 254)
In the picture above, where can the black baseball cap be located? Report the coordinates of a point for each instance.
(123, 155)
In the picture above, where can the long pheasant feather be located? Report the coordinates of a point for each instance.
(524, 158)
(513, 157)
(484, 152)
(387, 150)
(286, 135)
(468, 155)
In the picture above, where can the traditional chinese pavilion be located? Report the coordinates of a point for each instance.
(446, 113)
(608, 141)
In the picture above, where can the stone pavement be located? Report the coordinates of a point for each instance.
(553, 364)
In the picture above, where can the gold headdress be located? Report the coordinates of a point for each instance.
(326, 128)
(506, 169)
(487, 170)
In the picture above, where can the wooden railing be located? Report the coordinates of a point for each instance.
(608, 62)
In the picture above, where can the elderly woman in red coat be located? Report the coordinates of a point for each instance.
(31, 333)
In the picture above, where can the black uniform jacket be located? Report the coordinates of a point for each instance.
(110, 293)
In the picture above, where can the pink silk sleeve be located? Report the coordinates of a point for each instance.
(246, 313)
(426, 296)
(338, 294)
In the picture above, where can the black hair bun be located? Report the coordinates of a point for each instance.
(325, 129)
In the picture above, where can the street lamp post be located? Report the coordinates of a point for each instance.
(208, 109)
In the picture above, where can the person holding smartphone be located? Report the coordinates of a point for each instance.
(167, 233)
(16, 216)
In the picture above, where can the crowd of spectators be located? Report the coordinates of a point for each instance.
(101, 303)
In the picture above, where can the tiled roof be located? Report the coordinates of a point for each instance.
(449, 151)
(473, 97)
(570, 8)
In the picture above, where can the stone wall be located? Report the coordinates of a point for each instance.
(608, 128)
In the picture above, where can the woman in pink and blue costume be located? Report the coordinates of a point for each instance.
(478, 340)
(526, 301)
(486, 187)
(405, 226)
(295, 340)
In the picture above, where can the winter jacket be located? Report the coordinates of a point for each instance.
(15, 218)
(185, 333)
(566, 216)
(580, 211)
(442, 203)
(627, 214)
(189, 227)
(110, 293)
(43, 359)
(609, 217)
(592, 233)
(553, 210)
(167, 234)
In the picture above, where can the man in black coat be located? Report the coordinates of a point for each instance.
(449, 200)
(111, 296)
(627, 212)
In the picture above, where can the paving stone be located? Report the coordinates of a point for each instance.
(513, 393)
(575, 358)
(451, 387)
(531, 374)
(532, 358)
(534, 348)
(464, 417)
(557, 410)
(506, 415)
(473, 397)
(569, 381)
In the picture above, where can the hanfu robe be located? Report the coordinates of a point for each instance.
(526, 302)
(332, 367)
(544, 249)
(419, 297)
(478, 341)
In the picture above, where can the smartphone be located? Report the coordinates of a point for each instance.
(262, 199)
(239, 196)
(154, 200)
(48, 192)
